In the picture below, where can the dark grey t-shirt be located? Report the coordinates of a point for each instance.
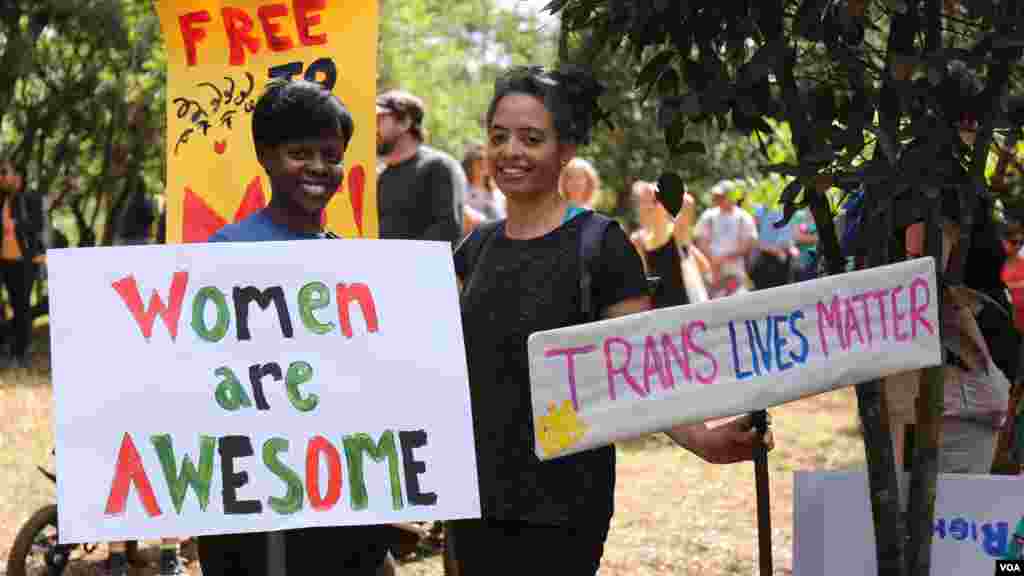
(421, 198)
(519, 287)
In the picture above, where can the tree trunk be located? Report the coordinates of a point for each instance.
(928, 428)
(890, 529)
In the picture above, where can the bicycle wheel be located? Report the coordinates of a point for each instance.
(35, 551)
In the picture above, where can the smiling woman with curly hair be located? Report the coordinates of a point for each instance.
(520, 276)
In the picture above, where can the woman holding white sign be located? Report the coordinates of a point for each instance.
(527, 274)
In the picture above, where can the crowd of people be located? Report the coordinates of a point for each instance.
(515, 211)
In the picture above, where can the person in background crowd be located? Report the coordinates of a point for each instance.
(22, 242)
(982, 349)
(484, 202)
(521, 278)
(805, 235)
(774, 259)
(482, 194)
(656, 227)
(580, 183)
(137, 217)
(1013, 270)
(420, 190)
(726, 234)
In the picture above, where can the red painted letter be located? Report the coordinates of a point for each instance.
(623, 369)
(304, 20)
(129, 471)
(191, 34)
(653, 365)
(833, 316)
(129, 292)
(692, 346)
(917, 312)
(669, 351)
(569, 354)
(361, 293)
(272, 29)
(238, 26)
(897, 316)
(319, 445)
(851, 323)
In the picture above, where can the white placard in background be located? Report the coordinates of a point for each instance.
(368, 399)
(833, 532)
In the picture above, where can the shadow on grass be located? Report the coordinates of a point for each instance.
(37, 374)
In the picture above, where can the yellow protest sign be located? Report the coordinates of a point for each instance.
(220, 54)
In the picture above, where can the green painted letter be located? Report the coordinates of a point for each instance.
(230, 394)
(355, 445)
(314, 296)
(198, 479)
(219, 329)
(299, 373)
(292, 501)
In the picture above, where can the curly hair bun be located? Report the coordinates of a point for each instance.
(570, 93)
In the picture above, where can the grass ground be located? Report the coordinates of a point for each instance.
(674, 513)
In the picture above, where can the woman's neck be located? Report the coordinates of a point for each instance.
(299, 223)
(535, 216)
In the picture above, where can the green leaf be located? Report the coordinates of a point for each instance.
(654, 67)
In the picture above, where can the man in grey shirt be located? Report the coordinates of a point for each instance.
(419, 189)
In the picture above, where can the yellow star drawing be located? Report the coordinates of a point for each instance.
(560, 429)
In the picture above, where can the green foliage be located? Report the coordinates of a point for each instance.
(856, 81)
(449, 52)
(81, 93)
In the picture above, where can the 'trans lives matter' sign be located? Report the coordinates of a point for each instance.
(224, 388)
(597, 383)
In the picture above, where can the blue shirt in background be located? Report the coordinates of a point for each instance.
(259, 227)
(767, 233)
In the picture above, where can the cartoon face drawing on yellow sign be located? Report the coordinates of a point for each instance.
(214, 118)
(220, 58)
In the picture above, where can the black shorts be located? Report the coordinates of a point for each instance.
(486, 546)
(355, 550)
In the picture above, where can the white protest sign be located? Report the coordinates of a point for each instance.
(833, 533)
(225, 388)
(596, 383)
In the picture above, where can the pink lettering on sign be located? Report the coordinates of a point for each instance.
(900, 311)
(670, 353)
(623, 369)
(830, 315)
(691, 343)
(897, 316)
(570, 354)
(654, 365)
(916, 310)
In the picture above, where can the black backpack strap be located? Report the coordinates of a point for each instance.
(591, 238)
(473, 246)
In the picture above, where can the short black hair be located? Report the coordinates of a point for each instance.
(404, 105)
(570, 94)
(292, 110)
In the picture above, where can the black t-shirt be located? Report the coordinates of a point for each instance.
(421, 198)
(519, 287)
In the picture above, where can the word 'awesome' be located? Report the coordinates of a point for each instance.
(322, 495)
